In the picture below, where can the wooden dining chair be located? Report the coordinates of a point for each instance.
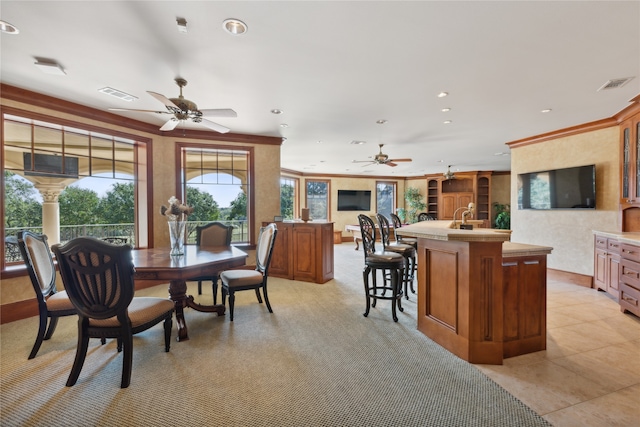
(242, 280)
(212, 234)
(98, 277)
(51, 304)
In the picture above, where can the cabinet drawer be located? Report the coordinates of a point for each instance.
(613, 246)
(601, 242)
(630, 252)
(630, 273)
(629, 298)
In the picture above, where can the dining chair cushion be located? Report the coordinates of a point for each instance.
(141, 311)
(59, 301)
(238, 278)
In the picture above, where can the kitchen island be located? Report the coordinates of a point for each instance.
(480, 296)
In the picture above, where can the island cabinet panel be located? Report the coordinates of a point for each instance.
(460, 297)
(303, 251)
(525, 304)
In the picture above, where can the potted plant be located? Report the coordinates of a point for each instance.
(415, 204)
(503, 216)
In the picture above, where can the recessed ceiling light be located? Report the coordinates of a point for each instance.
(443, 94)
(546, 110)
(284, 125)
(381, 121)
(354, 142)
(118, 94)
(446, 122)
(49, 67)
(446, 110)
(7, 28)
(235, 26)
(276, 111)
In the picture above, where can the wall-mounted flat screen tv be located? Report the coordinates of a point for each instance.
(354, 200)
(568, 188)
(50, 165)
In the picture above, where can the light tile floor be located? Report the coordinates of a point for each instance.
(589, 375)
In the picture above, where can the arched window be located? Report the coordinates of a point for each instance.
(217, 182)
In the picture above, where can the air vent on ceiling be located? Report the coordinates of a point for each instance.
(118, 94)
(615, 83)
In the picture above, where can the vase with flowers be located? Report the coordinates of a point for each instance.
(176, 214)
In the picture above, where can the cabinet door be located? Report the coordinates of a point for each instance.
(304, 252)
(281, 258)
(448, 206)
(630, 174)
(600, 273)
(464, 199)
(613, 271)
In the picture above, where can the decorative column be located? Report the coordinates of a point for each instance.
(50, 212)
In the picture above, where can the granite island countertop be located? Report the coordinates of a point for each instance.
(439, 230)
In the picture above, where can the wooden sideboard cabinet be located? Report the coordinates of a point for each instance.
(606, 274)
(303, 251)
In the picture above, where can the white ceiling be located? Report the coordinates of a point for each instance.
(335, 68)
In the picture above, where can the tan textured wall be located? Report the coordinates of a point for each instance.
(569, 232)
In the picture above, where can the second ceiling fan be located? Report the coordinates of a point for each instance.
(184, 109)
(382, 159)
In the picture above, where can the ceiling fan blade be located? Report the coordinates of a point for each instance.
(166, 101)
(139, 111)
(389, 163)
(170, 125)
(400, 160)
(219, 112)
(215, 126)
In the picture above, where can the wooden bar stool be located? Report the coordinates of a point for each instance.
(389, 262)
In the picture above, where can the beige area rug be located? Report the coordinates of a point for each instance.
(316, 361)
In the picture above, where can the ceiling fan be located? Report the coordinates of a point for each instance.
(448, 174)
(183, 109)
(382, 159)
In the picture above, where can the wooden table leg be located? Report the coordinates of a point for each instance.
(178, 293)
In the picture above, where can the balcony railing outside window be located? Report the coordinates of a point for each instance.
(122, 232)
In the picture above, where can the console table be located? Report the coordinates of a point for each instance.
(480, 296)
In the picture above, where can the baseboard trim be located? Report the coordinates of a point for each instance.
(567, 276)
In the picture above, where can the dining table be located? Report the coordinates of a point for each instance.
(157, 264)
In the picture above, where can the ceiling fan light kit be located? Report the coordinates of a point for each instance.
(183, 109)
(382, 159)
(448, 174)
